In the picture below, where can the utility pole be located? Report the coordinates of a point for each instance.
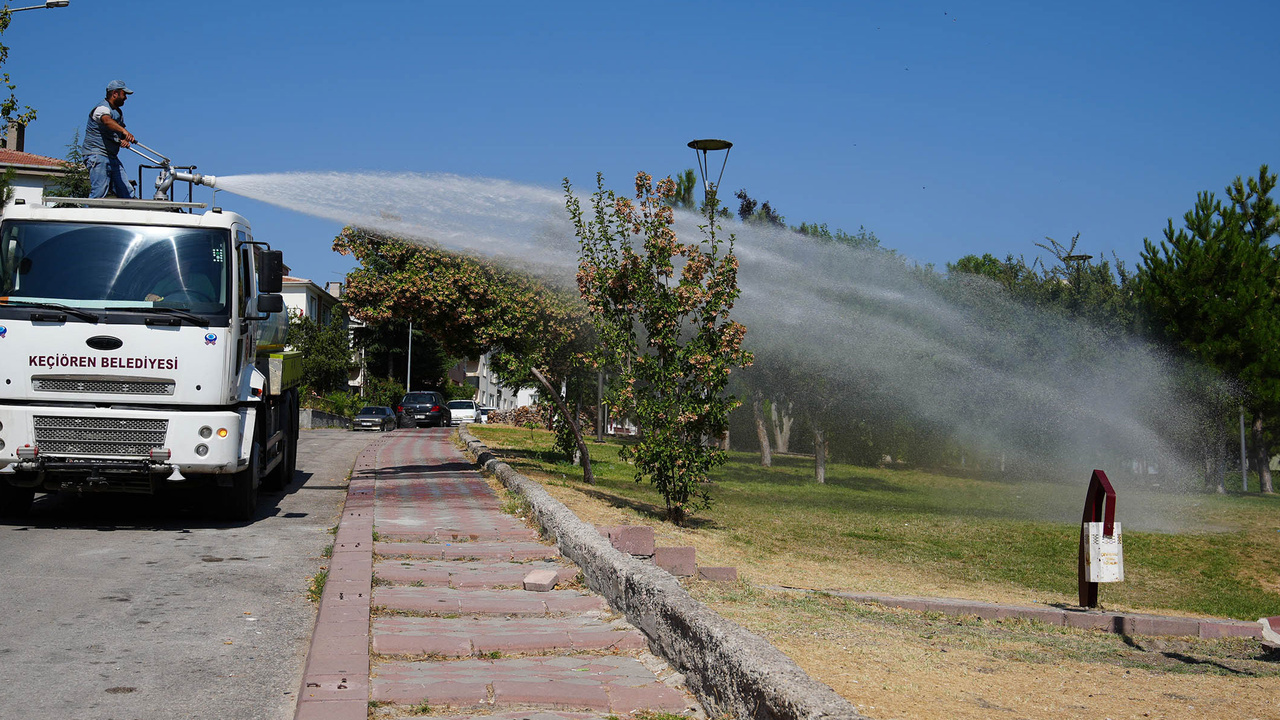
(408, 366)
(1244, 456)
(599, 406)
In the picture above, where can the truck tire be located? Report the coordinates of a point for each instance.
(291, 457)
(15, 502)
(282, 474)
(240, 501)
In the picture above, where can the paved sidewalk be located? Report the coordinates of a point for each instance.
(452, 626)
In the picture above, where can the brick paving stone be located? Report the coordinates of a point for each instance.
(449, 693)
(404, 573)
(631, 539)
(516, 551)
(679, 561)
(540, 581)
(440, 601)
(718, 574)
(403, 644)
(656, 697)
(550, 693)
(600, 683)
(342, 686)
(533, 642)
(467, 574)
(529, 715)
(333, 710)
(464, 636)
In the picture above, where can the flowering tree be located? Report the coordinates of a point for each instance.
(472, 307)
(661, 307)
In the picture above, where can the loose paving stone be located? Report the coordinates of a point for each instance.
(540, 581)
(718, 574)
(679, 561)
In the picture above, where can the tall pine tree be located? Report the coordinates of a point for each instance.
(1211, 288)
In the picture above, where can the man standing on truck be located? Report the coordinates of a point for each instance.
(104, 135)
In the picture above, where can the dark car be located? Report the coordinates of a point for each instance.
(424, 408)
(375, 417)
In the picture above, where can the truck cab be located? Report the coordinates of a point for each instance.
(141, 348)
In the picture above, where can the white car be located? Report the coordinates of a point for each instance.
(464, 411)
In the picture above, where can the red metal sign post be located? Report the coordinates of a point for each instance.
(1101, 497)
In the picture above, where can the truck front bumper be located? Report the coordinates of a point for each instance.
(119, 441)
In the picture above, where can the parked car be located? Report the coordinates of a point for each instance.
(464, 411)
(375, 417)
(484, 413)
(423, 408)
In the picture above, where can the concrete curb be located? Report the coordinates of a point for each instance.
(335, 682)
(1116, 622)
(728, 668)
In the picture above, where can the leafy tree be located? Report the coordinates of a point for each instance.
(1079, 286)
(1210, 288)
(386, 352)
(665, 331)
(326, 352)
(471, 307)
(864, 239)
(382, 391)
(686, 183)
(9, 110)
(75, 181)
(749, 211)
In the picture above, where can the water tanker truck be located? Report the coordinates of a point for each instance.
(142, 351)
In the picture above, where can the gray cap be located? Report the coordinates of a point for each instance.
(118, 85)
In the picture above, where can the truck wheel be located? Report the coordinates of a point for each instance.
(240, 501)
(15, 502)
(282, 474)
(291, 458)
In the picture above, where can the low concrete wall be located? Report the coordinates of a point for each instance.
(308, 418)
(730, 669)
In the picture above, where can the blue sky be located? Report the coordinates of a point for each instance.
(947, 128)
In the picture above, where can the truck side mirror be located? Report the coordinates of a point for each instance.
(271, 303)
(270, 271)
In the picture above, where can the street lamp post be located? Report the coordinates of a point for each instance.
(49, 4)
(700, 150)
(1079, 262)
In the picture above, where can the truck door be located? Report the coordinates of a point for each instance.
(245, 294)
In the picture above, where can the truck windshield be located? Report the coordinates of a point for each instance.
(115, 266)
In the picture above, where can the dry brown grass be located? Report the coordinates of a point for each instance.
(901, 664)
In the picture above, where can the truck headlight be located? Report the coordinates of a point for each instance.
(202, 450)
(206, 432)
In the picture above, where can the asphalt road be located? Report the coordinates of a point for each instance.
(138, 608)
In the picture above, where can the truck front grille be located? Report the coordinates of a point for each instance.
(111, 437)
(119, 386)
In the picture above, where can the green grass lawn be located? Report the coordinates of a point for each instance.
(1220, 556)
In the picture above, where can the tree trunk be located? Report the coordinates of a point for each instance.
(1262, 453)
(766, 457)
(782, 421)
(820, 455)
(583, 453)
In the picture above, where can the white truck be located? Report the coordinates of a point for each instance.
(141, 350)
